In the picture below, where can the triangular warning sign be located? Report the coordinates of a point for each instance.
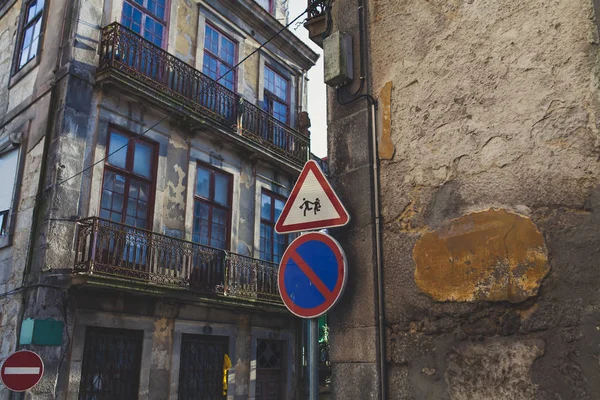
(312, 204)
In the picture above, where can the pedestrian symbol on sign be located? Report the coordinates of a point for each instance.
(306, 205)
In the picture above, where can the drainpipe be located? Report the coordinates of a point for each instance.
(378, 254)
(375, 195)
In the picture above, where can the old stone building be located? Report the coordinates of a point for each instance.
(473, 248)
(138, 195)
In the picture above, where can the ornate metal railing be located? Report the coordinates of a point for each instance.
(271, 133)
(113, 249)
(316, 8)
(125, 51)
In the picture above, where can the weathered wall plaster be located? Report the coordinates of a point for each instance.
(494, 105)
(491, 255)
(498, 370)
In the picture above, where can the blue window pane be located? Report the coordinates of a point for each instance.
(269, 80)
(201, 224)
(280, 111)
(142, 160)
(280, 87)
(28, 37)
(149, 29)
(211, 41)
(227, 51)
(152, 6)
(158, 32)
(137, 17)
(278, 208)
(276, 84)
(209, 66)
(222, 189)
(31, 12)
(39, 6)
(119, 184)
(160, 9)
(118, 146)
(219, 57)
(207, 37)
(265, 207)
(228, 81)
(203, 183)
(142, 23)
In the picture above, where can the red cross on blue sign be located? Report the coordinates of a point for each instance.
(312, 274)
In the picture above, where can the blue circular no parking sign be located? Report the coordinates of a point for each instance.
(312, 274)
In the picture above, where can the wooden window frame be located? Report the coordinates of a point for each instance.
(219, 59)
(212, 203)
(145, 11)
(19, 72)
(128, 171)
(273, 196)
(269, 96)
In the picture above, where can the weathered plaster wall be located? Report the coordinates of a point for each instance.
(24, 109)
(8, 28)
(78, 121)
(493, 104)
(184, 24)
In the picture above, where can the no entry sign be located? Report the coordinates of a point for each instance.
(21, 370)
(312, 274)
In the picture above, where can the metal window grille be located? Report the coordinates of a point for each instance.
(111, 364)
(201, 367)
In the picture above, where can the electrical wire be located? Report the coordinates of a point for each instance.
(170, 114)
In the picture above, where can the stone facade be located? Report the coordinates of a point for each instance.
(489, 174)
(59, 114)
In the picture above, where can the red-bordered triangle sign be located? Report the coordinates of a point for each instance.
(312, 204)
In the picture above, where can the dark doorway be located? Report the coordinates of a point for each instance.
(270, 371)
(111, 364)
(201, 367)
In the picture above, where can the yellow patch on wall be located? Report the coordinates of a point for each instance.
(493, 255)
(386, 146)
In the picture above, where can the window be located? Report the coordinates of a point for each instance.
(212, 207)
(266, 4)
(276, 95)
(110, 368)
(147, 18)
(219, 57)
(29, 41)
(272, 244)
(8, 170)
(128, 186)
(270, 374)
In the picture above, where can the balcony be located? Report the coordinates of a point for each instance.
(113, 250)
(316, 20)
(128, 60)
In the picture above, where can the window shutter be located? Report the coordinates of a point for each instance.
(8, 172)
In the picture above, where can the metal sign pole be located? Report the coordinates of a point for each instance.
(313, 359)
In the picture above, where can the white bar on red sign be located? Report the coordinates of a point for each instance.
(21, 370)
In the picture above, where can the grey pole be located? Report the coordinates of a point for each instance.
(313, 360)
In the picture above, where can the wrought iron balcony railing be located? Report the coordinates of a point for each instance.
(108, 248)
(128, 53)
